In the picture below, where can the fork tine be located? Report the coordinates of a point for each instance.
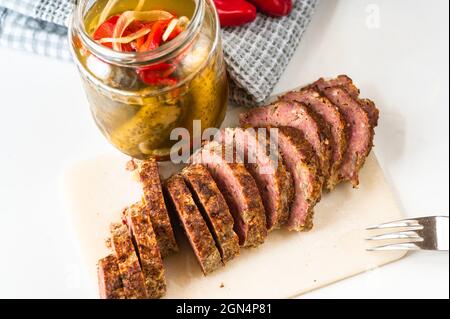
(402, 246)
(397, 235)
(397, 224)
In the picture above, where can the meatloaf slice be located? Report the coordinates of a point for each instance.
(322, 106)
(154, 199)
(214, 209)
(368, 105)
(109, 280)
(302, 162)
(359, 130)
(147, 249)
(240, 192)
(371, 109)
(195, 227)
(128, 263)
(297, 115)
(266, 166)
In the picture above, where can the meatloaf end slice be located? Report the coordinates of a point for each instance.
(144, 240)
(109, 280)
(153, 196)
(302, 162)
(369, 106)
(214, 209)
(360, 132)
(297, 115)
(323, 107)
(372, 110)
(195, 227)
(264, 163)
(239, 190)
(133, 279)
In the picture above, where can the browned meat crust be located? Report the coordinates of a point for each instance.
(194, 226)
(128, 263)
(369, 106)
(214, 209)
(371, 109)
(266, 167)
(302, 162)
(154, 199)
(297, 115)
(329, 113)
(109, 281)
(360, 132)
(240, 191)
(146, 246)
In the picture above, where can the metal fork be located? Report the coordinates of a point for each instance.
(425, 233)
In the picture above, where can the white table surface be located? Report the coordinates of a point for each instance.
(401, 62)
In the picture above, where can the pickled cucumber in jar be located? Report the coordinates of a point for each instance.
(177, 74)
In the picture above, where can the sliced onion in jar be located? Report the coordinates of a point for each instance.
(128, 17)
(183, 22)
(129, 38)
(107, 11)
(170, 29)
(140, 5)
(197, 57)
(98, 68)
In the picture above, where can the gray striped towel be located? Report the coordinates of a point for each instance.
(256, 54)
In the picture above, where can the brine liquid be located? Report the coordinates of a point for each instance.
(177, 7)
(139, 121)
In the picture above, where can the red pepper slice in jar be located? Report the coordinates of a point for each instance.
(135, 26)
(275, 8)
(154, 38)
(106, 30)
(175, 33)
(235, 12)
(158, 74)
(140, 41)
(134, 31)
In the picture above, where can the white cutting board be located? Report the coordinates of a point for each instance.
(287, 265)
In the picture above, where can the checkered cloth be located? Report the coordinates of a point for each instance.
(256, 54)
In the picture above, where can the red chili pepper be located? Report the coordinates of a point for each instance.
(276, 8)
(154, 38)
(235, 12)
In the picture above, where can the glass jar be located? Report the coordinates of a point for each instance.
(138, 117)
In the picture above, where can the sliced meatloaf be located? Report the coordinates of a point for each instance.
(266, 166)
(154, 199)
(368, 105)
(214, 209)
(109, 280)
(322, 106)
(302, 163)
(343, 81)
(359, 130)
(133, 279)
(195, 227)
(371, 109)
(240, 192)
(144, 240)
(297, 115)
